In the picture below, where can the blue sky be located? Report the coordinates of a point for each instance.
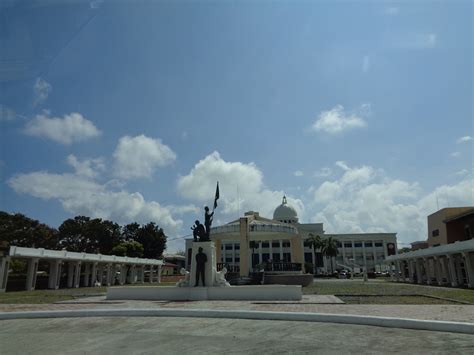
(360, 112)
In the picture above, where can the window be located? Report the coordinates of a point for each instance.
(237, 259)
(347, 245)
(237, 246)
(435, 233)
(287, 257)
(275, 244)
(339, 244)
(265, 256)
(379, 244)
(357, 245)
(228, 247)
(265, 245)
(276, 257)
(228, 260)
(286, 244)
(467, 232)
(368, 244)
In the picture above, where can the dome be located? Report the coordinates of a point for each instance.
(285, 213)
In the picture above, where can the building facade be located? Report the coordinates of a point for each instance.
(247, 243)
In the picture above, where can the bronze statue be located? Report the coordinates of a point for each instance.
(208, 217)
(201, 260)
(199, 232)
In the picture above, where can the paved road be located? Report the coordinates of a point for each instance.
(216, 336)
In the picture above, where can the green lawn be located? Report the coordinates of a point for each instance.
(386, 292)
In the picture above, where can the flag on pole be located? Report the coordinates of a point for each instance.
(217, 196)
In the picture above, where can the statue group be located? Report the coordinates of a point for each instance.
(201, 232)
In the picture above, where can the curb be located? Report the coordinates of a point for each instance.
(431, 325)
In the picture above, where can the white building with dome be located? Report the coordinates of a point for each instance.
(245, 244)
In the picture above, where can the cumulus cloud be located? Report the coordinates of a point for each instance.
(414, 40)
(464, 139)
(337, 120)
(323, 172)
(298, 173)
(364, 199)
(41, 89)
(88, 167)
(81, 195)
(241, 187)
(67, 130)
(456, 154)
(7, 114)
(138, 157)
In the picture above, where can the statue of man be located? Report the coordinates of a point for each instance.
(201, 260)
(198, 231)
(208, 220)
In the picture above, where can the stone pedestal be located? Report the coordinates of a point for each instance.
(209, 249)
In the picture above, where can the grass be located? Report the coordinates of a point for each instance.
(49, 296)
(386, 292)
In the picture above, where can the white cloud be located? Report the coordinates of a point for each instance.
(298, 173)
(462, 172)
(241, 187)
(81, 195)
(69, 129)
(88, 167)
(42, 89)
(366, 64)
(323, 172)
(138, 157)
(456, 154)
(364, 199)
(337, 120)
(464, 139)
(414, 40)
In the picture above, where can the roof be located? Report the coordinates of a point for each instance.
(460, 215)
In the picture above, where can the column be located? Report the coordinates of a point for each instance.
(123, 274)
(54, 274)
(426, 264)
(87, 274)
(353, 253)
(364, 256)
(444, 265)
(398, 270)
(233, 254)
(410, 270)
(419, 276)
(31, 274)
(469, 266)
(452, 270)
(142, 274)
(437, 270)
(100, 274)
(77, 275)
(244, 247)
(374, 252)
(110, 274)
(281, 251)
(159, 274)
(343, 253)
(260, 258)
(4, 265)
(297, 255)
(151, 273)
(93, 274)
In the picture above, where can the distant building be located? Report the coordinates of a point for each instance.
(449, 260)
(421, 244)
(437, 226)
(247, 243)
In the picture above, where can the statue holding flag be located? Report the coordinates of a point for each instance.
(208, 216)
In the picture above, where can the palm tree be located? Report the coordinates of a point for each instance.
(315, 242)
(329, 248)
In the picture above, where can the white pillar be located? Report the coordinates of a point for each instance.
(397, 271)
(410, 270)
(469, 266)
(54, 274)
(159, 274)
(94, 274)
(110, 277)
(4, 265)
(77, 275)
(87, 274)
(142, 274)
(31, 274)
(281, 250)
(426, 264)
(437, 270)
(123, 274)
(452, 270)
(419, 272)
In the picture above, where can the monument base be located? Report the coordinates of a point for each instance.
(234, 293)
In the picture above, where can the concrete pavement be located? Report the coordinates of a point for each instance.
(216, 336)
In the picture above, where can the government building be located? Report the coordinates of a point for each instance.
(247, 243)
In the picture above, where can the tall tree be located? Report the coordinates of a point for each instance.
(330, 249)
(314, 242)
(83, 234)
(131, 249)
(153, 240)
(19, 230)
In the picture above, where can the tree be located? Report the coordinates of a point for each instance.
(131, 249)
(315, 242)
(330, 248)
(83, 234)
(130, 231)
(404, 250)
(153, 240)
(19, 230)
